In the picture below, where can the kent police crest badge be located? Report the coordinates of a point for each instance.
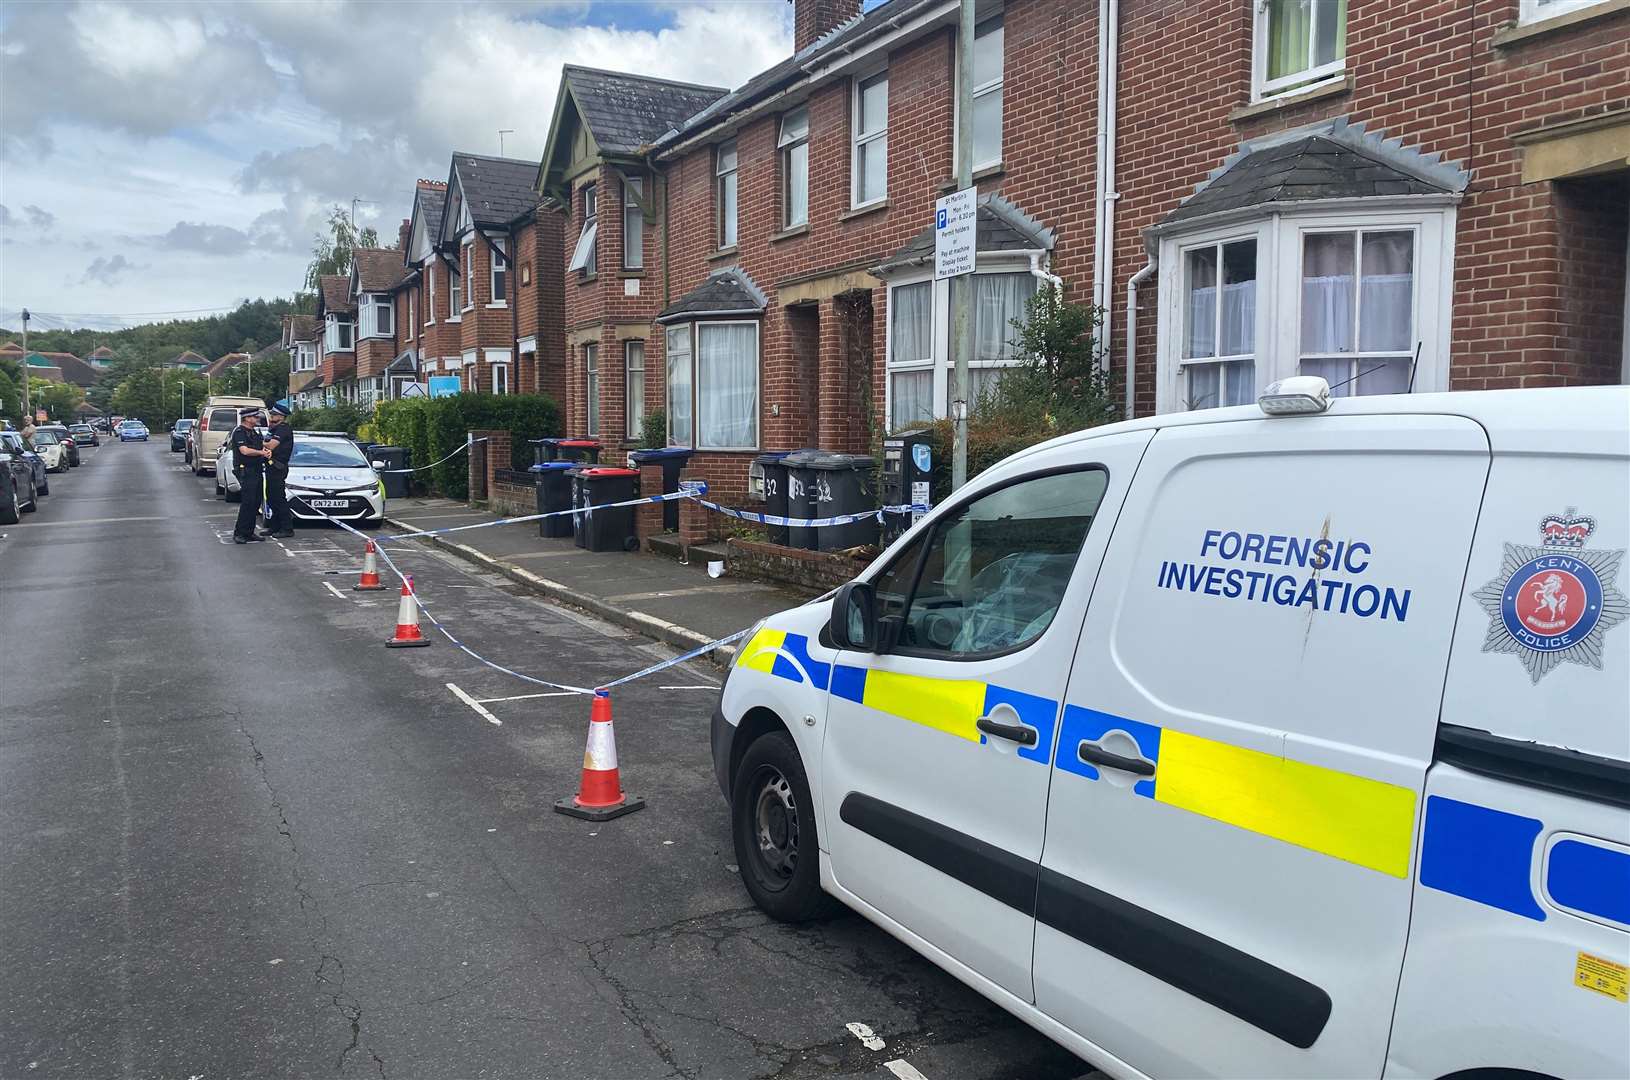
(1552, 604)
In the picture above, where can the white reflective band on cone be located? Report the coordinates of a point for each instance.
(404, 611)
(601, 752)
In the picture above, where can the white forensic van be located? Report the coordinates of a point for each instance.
(1289, 740)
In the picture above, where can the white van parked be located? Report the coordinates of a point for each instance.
(1288, 740)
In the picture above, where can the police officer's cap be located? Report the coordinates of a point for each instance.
(248, 411)
(281, 408)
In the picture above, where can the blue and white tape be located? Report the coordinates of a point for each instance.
(587, 511)
(421, 468)
(813, 523)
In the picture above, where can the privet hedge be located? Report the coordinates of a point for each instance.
(432, 428)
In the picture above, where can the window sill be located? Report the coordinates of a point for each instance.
(455, 318)
(994, 171)
(1337, 87)
(789, 233)
(862, 211)
(466, 309)
(1516, 34)
(500, 304)
(586, 276)
(723, 253)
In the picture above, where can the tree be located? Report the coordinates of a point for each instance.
(270, 378)
(331, 254)
(59, 400)
(155, 395)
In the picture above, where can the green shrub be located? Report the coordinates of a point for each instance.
(654, 430)
(342, 416)
(433, 428)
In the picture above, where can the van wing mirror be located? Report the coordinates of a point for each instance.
(854, 617)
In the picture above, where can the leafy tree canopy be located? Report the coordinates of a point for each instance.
(331, 252)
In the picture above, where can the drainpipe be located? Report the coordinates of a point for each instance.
(1132, 325)
(1103, 272)
(1037, 270)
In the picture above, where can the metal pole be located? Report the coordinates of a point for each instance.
(28, 408)
(962, 285)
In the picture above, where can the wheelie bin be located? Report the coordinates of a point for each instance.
(553, 482)
(398, 482)
(844, 484)
(544, 450)
(604, 530)
(578, 450)
(801, 497)
(673, 460)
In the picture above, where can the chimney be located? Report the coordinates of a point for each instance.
(403, 233)
(813, 18)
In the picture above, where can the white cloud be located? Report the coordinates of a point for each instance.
(107, 271)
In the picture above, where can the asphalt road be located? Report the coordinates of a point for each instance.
(240, 838)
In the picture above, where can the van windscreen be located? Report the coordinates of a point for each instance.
(223, 419)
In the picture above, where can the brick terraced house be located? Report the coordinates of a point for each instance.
(1429, 194)
(337, 348)
(379, 278)
(300, 340)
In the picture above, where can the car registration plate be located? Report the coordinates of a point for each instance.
(328, 504)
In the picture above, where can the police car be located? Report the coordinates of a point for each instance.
(328, 478)
(1288, 740)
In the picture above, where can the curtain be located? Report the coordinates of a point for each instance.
(911, 398)
(727, 385)
(1200, 303)
(912, 308)
(1290, 25)
(998, 299)
(679, 398)
(1327, 292)
(1388, 284)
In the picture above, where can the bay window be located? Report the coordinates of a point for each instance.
(794, 151)
(500, 275)
(1298, 43)
(713, 378)
(591, 386)
(679, 385)
(1358, 309)
(1219, 324)
(378, 315)
(988, 41)
(869, 125)
(634, 387)
(633, 224)
(998, 300)
(911, 355)
(724, 167)
(339, 333)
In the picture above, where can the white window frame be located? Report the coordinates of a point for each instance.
(586, 255)
(727, 238)
(1263, 88)
(331, 334)
(1251, 233)
(412, 315)
(371, 306)
(633, 212)
(497, 272)
(499, 362)
(932, 363)
(857, 139)
(468, 373)
(466, 268)
(1533, 11)
(591, 387)
(633, 374)
(1279, 287)
(984, 89)
(693, 331)
(940, 329)
(455, 295)
(786, 143)
(430, 293)
(686, 330)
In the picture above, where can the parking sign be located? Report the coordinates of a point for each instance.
(955, 233)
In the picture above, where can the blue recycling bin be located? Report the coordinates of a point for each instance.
(673, 460)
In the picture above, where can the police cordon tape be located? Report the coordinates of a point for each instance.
(465, 445)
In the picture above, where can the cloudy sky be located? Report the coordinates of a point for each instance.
(158, 157)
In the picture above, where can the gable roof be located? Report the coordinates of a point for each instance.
(188, 358)
(221, 363)
(67, 367)
(495, 190)
(11, 348)
(334, 294)
(377, 269)
(626, 112)
(101, 352)
(429, 200)
(725, 292)
(301, 328)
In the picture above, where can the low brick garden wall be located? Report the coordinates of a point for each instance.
(512, 492)
(815, 570)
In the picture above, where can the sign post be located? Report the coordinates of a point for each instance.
(956, 244)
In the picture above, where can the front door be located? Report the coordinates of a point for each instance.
(935, 762)
(1225, 888)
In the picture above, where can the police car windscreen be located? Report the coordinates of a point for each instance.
(336, 453)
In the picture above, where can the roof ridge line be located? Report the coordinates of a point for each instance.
(644, 78)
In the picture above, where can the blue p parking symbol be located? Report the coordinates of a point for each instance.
(939, 219)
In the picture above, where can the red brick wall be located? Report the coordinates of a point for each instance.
(812, 18)
(372, 355)
(540, 306)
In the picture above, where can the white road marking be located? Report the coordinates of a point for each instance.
(868, 1038)
(687, 688)
(84, 521)
(480, 709)
(333, 590)
(903, 1069)
(526, 697)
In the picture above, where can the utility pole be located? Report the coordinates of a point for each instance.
(962, 285)
(28, 407)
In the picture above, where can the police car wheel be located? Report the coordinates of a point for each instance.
(774, 831)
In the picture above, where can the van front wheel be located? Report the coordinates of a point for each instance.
(773, 825)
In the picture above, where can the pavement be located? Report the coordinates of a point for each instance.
(240, 838)
(674, 602)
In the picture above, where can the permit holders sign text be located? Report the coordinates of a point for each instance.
(1287, 571)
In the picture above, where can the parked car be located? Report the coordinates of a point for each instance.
(65, 437)
(132, 431)
(178, 434)
(328, 478)
(51, 449)
(17, 445)
(84, 435)
(18, 493)
(216, 419)
(1287, 739)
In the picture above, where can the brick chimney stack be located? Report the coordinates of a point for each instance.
(813, 18)
(403, 233)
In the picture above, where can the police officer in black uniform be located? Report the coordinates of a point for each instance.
(248, 462)
(279, 442)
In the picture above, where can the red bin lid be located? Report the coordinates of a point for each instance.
(608, 470)
(579, 442)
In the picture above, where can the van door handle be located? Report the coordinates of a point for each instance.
(1011, 732)
(1097, 755)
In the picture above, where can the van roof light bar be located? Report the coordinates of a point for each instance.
(1299, 395)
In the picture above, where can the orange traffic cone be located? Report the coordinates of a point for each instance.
(600, 793)
(407, 621)
(370, 573)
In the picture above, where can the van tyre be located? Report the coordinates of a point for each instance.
(772, 822)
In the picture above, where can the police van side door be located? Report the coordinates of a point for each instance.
(1225, 885)
(935, 761)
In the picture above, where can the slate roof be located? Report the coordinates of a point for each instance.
(69, 368)
(626, 112)
(302, 328)
(727, 291)
(221, 363)
(431, 196)
(1312, 167)
(187, 356)
(497, 190)
(379, 269)
(301, 381)
(1001, 227)
(336, 290)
